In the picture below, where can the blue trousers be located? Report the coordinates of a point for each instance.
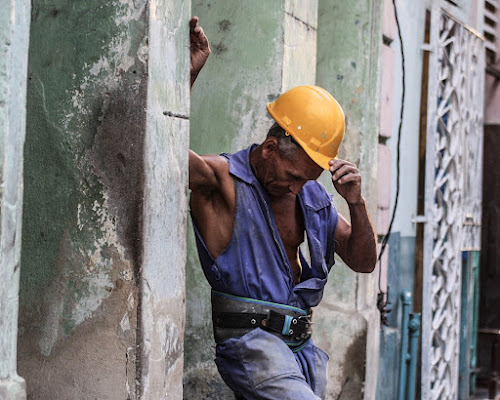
(259, 366)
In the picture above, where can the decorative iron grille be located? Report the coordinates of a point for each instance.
(453, 194)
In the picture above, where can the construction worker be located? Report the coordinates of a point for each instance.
(251, 210)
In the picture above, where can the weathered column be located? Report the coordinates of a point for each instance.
(14, 39)
(347, 321)
(164, 230)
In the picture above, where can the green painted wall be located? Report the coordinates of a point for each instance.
(348, 57)
(82, 198)
(105, 216)
(227, 113)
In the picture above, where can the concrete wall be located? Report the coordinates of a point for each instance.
(347, 322)
(259, 50)
(101, 309)
(164, 214)
(14, 39)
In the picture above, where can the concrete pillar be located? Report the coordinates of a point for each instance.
(14, 39)
(347, 321)
(104, 230)
(259, 49)
(164, 236)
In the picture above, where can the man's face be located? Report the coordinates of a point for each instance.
(283, 176)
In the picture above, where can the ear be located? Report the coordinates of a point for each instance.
(269, 147)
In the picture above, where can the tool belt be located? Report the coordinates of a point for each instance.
(233, 316)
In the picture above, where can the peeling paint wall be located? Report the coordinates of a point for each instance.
(83, 198)
(259, 50)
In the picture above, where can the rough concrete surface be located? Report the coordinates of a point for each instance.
(82, 199)
(14, 39)
(343, 336)
(165, 201)
(348, 66)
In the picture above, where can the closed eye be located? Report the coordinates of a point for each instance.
(297, 178)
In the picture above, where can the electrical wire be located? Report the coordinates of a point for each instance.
(382, 300)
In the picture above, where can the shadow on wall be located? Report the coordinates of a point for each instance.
(82, 200)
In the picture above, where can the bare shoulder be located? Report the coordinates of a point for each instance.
(210, 182)
(218, 163)
(207, 173)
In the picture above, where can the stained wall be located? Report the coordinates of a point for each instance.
(105, 197)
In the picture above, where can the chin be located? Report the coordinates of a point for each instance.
(278, 192)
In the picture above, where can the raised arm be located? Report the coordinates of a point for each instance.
(213, 200)
(202, 170)
(200, 48)
(356, 243)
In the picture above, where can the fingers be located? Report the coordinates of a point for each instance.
(343, 171)
(345, 174)
(198, 37)
(194, 22)
(195, 29)
(349, 178)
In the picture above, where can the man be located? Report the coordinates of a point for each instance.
(251, 210)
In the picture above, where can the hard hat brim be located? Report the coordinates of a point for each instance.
(320, 159)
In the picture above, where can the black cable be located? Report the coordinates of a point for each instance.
(382, 299)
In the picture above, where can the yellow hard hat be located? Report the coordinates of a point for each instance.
(314, 119)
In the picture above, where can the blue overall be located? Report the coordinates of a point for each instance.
(259, 365)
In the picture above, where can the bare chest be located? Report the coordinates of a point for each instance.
(290, 224)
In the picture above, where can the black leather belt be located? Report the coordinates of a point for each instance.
(233, 316)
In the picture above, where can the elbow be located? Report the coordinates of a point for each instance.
(369, 269)
(365, 266)
(371, 264)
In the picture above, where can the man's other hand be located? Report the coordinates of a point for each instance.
(200, 48)
(347, 180)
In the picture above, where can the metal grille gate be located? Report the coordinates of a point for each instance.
(452, 194)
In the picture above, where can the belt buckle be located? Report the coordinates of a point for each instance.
(304, 322)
